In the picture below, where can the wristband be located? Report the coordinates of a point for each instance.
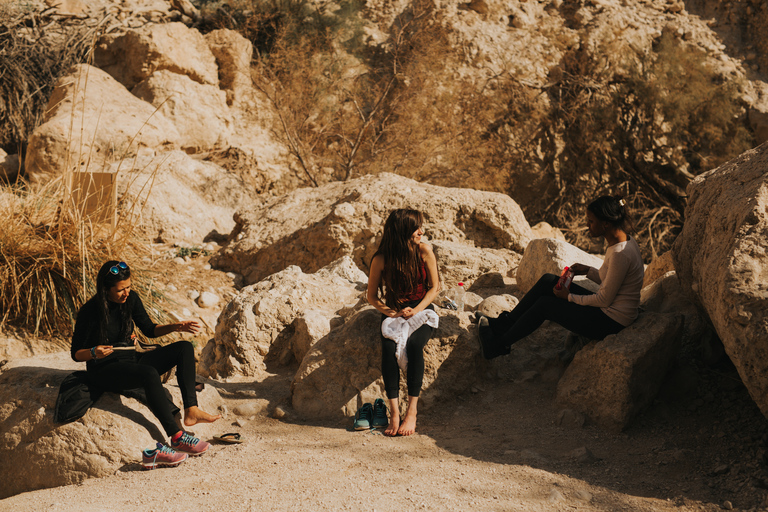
(93, 352)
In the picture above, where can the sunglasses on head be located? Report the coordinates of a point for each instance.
(115, 269)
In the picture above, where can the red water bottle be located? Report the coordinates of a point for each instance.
(565, 279)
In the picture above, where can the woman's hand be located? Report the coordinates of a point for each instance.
(103, 351)
(407, 313)
(190, 326)
(579, 269)
(562, 293)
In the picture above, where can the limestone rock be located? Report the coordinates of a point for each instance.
(9, 166)
(199, 111)
(658, 268)
(545, 230)
(721, 257)
(459, 262)
(317, 225)
(495, 305)
(612, 380)
(233, 55)
(547, 255)
(135, 55)
(343, 370)
(177, 198)
(207, 300)
(309, 327)
(254, 324)
(37, 453)
(90, 122)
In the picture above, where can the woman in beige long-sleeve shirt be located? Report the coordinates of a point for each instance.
(592, 315)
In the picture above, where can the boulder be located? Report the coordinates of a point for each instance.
(91, 121)
(460, 262)
(9, 166)
(658, 268)
(317, 225)
(37, 453)
(546, 230)
(547, 255)
(721, 258)
(176, 198)
(133, 56)
(199, 111)
(255, 323)
(308, 328)
(343, 370)
(612, 380)
(233, 55)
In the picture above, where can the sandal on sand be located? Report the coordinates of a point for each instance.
(231, 438)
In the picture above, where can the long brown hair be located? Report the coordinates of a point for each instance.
(402, 262)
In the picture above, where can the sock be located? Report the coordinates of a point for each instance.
(176, 436)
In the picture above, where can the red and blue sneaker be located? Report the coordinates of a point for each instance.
(189, 444)
(160, 457)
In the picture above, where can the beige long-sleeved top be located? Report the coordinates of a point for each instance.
(620, 278)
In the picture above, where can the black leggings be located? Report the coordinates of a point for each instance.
(144, 372)
(540, 304)
(414, 348)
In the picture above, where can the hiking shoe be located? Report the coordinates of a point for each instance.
(490, 348)
(188, 443)
(364, 417)
(162, 456)
(380, 419)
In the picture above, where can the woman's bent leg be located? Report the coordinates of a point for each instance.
(180, 355)
(122, 375)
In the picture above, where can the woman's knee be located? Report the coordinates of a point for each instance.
(549, 280)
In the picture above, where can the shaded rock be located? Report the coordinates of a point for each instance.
(721, 257)
(347, 218)
(10, 165)
(250, 408)
(582, 455)
(199, 111)
(258, 317)
(135, 55)
(570, 419)
(343, 370)
(309, 327)
(547, 255)
(612, 380)
(658, 267)
(233, 55)
(37, 453)
(494, 305)
(110, 124)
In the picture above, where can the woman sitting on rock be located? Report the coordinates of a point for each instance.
(402, 284)
(103, 338)
(588, 314)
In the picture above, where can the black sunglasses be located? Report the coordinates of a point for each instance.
(115, 269)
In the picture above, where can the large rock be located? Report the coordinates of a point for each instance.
(548, 255)
(459, 262)
(233, 55)
(343, 370)
(612, 380)
(176, 198)
(255, 323)
(37, 453)
(135, 55)
(199, 111)
(91, 121)
(721, 258)
(312, 227)
(9, 167)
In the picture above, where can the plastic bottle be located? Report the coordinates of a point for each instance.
(458, 296)
(565, 279)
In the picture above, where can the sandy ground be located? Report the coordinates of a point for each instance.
(503, 446)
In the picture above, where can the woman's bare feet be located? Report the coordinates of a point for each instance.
(394, 424)
(194, 415)
(408, 427)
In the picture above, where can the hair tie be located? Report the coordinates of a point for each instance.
(622, 202)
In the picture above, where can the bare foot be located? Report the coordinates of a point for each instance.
(408, 427)
(195, 415)
(394, 424)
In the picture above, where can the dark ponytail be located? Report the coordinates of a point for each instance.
(612, 209)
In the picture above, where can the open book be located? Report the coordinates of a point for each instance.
(140, 346)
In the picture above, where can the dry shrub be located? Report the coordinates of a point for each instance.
(35, 48)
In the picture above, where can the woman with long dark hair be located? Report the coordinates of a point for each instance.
(103, 338)
(403, 282)
(588, 314)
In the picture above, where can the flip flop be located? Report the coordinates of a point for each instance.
(231, 438)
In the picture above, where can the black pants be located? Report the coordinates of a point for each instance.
(144, 371)
(540, 304)
(414, 348)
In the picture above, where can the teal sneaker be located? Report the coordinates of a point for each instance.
(380, 419)
(364, 417)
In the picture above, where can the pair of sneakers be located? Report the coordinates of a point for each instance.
(185, 446)
(372, 415)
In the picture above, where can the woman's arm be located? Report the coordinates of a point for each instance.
(618, 265)
(190, 326)
(374, 279)
(428, 256)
